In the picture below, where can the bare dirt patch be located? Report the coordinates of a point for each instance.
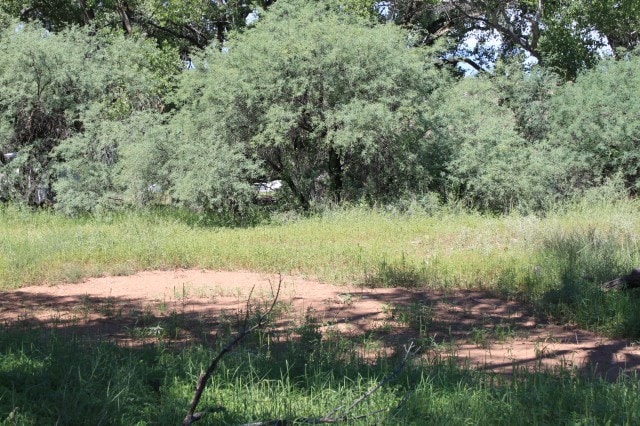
(477, 328)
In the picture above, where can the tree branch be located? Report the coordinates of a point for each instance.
(193, 40)
(518, 39)
(193, 416)
(455, 60)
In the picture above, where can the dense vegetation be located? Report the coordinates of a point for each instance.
(342, 102)
(47, 378)
(555, 263)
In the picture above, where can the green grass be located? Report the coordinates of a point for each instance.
(340, 246)
(555, 262)
(51, 378)
(449, 249)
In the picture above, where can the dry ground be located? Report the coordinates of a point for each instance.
(477, 328)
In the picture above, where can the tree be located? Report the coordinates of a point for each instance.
(595, 121)
(58, 88)
(486, 162)
(566, 36)
(184, 24)
(526, 93)
(615, 20)
(333, 103)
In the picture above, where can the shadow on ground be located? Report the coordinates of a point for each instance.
(478, 329)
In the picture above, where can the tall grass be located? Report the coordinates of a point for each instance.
(555, 261)
(455, 248)
(46, 378)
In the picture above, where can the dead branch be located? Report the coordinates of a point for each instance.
(625, 282)
(193, 416)
(340, 414)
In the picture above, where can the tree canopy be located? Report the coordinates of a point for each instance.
(125, 103)
(60, 86)
(331, 105)
(565, 34)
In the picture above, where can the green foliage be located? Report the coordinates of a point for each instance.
(53, 14)
(575, 32)
(332, 105)
(65, 96)
(565, 52)
(182, 24)
(526, 93)
(40, 75)
(594, 121)
(48, 376)
(555, 262)
(615, 20)
(112, 163)
(208, 172)
(488, 165)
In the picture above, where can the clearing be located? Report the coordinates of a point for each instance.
(477, 328)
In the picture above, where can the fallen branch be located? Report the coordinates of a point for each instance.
(625, 282)
(334, 416)
(193, 416)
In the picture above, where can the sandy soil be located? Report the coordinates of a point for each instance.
(479, 329)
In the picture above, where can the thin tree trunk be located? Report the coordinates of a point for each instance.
(335, 169)
(123, 11)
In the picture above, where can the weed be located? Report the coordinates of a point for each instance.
(543, 348)
(181, 293)
(395, 274)
(504, 332)
(309, 330)
(554, 263)
(481, 337)
(383, 327)
(417, 315)
(107, 308)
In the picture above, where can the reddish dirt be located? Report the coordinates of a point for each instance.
(477, 328)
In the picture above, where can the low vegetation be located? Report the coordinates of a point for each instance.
(554, 262)
(48, 376)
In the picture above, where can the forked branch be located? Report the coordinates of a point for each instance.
(193, 416)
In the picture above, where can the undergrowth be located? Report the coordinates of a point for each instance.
(47, 377)
(554, 262)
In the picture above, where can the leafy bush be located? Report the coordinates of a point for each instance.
(333, 106)
(487, 164)
(65, 107)
(595, 121)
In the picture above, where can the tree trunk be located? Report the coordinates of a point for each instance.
(87, 13)
(124, 12)
(335, 173)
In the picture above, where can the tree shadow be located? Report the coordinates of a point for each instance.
(108, 346)
(123, 320)
(477, 328)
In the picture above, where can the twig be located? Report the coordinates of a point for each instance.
(192, 416)
(408, 351)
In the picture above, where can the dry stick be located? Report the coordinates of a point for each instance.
(408, 351)
(192, 416)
